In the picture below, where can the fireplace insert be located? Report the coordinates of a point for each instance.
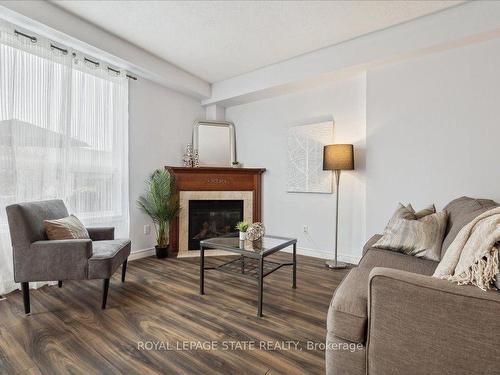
(212, 218)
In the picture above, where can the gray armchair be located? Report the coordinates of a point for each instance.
(38, 259)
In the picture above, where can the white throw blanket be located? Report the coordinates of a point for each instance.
(472, 257)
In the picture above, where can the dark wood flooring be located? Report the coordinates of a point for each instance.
(159, 304)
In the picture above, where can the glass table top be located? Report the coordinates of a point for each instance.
(232, 242)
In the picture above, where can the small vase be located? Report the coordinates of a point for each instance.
(243, 236)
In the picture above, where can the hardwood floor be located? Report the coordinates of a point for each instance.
(159, 304)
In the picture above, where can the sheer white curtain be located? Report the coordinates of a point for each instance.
(63, 134)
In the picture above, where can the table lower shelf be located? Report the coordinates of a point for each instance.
(249, 267)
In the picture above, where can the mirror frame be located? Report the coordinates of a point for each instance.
(223, 124)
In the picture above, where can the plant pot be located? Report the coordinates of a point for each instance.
(243, 236)
(163, 251)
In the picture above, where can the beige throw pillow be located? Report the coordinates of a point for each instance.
(67, 228)
(419, 234)
(426, 211)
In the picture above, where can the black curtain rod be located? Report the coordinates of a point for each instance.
(32, 38)
(118, 72)
(65, 51)
(91, 61)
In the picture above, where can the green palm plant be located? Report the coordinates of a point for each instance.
(160, 203)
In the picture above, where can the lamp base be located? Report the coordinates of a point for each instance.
(336, 265)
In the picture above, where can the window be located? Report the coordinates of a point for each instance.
(63, 134)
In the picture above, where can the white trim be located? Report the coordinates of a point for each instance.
(142, 253)
(464, 24)
(314, 253)
(322, 254)
(208, 253)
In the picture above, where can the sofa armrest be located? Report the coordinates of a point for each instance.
(56, 260)
(101, 233)
(372, 241)
(418, 324)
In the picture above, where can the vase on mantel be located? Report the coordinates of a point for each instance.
(196, 158)
(188, 156)
(243, 236)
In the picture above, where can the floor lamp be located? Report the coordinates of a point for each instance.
(337, 158)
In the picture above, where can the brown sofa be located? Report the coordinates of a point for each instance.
(389, 316)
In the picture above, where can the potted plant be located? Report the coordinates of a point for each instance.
(161, 204)
(242, 227)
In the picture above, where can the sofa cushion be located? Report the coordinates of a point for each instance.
(348, 313)
(347, 316)
(107, 257)
(462, 211)
(385, 258)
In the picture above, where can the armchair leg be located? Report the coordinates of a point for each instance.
(105, 288)
(26, 296)
(59, 283)
(124, 270)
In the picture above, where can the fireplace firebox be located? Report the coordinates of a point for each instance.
(212, 218)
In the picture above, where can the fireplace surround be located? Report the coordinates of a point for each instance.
(204, 187)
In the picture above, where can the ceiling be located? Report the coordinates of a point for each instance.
(215, 40)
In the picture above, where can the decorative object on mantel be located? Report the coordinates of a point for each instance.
(236, 164)
(242, 228)
(188, 156)
(215, 143)
(196, 159)
(337, 158)
(161, 204)
(305, 154)
(255, 231)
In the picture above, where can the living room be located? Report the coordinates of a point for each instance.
(336, 160)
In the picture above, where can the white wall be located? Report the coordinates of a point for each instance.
(161, 123)
(433, 130)
(261, 129)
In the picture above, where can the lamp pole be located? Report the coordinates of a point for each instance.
(335, 264)
(336, 158)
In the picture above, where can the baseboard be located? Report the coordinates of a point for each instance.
(348, 258)
(353, 259)
(143, 253)
(208, 253)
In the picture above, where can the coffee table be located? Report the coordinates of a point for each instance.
(251, 261)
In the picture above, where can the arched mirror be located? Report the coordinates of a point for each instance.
(215, 142)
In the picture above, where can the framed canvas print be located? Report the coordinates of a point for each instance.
(305, 172)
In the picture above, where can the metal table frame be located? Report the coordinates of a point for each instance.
(259, 256)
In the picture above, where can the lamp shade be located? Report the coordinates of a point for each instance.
(338, 157)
